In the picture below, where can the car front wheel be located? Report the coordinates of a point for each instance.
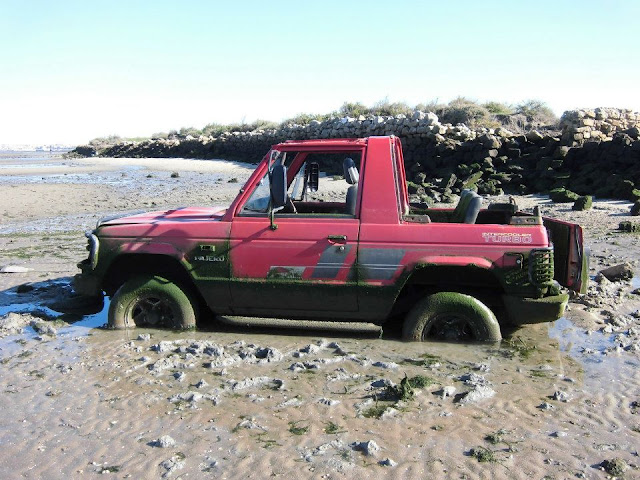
(151, 301)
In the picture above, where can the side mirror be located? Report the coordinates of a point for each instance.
(278, 186)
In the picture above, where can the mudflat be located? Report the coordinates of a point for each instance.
(552, 400)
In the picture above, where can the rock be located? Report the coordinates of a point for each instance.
(623, 271)
(635, 209)
(13, 323)
(310, 349)
(268, 354)
(256, 382)
(561, 396)
(534, 136)
(562, 195)
(545, 406)
(369, 448)
(297, 367)
(390, 365)
(191, 397)
(446, 392)
(201, 384)
(381, 383)
(583, 203)
(175, 175)
(387, 462)
(292, 402)
(164, 442)
(43, 328)
(473, 379)
(479, 393)
(15, 269)
(164, 346)
(328, 402)
(180, 376)
(144, 337)
(173, 464)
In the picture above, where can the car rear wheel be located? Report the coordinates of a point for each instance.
(152, 301)
(451, 316)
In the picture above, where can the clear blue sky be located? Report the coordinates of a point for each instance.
(74, 70)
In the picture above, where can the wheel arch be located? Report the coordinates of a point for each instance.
(126, 266)
(470, 279)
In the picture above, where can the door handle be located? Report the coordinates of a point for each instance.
(337, 238)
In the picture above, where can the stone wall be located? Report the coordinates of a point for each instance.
(600, 124)
(596, 153)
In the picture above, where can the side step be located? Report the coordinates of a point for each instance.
(304, 324)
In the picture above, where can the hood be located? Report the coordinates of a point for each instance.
(183, 214)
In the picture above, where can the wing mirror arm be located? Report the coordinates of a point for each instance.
(272, 212)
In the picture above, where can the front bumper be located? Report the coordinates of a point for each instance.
(524, 310)
(86, 283)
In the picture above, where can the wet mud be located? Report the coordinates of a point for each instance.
(550, 401)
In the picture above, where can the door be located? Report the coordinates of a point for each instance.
(306, 265)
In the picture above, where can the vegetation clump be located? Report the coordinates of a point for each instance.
(615, 466)
(517, 346)
(295, 430)
(562, 195)
(629, 227)
(332, 428)
(483, 455)
(495, 438)
(583, 203)
(376, 411)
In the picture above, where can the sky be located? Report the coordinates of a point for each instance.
(71, 71)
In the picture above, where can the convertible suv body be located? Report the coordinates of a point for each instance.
(297, 244)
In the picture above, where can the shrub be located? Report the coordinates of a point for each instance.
(498, 108)
(305, 118)
(537, 112)
(349, 109)
(431, 106)
(463, 110)
(386, 108)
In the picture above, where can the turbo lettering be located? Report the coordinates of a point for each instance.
(490, 237)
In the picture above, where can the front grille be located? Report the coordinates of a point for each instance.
(541, 266)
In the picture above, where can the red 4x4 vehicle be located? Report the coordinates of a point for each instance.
(368, 255)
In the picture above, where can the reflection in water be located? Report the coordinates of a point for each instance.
(604, 370)
(575, 342)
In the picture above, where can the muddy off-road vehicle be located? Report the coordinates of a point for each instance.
(281, 250)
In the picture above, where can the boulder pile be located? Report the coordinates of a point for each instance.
(596, 152)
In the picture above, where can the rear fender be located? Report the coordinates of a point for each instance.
(453, 261)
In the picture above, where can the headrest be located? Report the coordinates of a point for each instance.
(351, 174)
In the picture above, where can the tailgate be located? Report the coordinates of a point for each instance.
(570, 259)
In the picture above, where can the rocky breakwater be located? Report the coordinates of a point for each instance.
(592, 152)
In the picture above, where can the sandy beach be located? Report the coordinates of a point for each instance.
(551, 401)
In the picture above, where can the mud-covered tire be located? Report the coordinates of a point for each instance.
(451, 316)
(151, 301)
